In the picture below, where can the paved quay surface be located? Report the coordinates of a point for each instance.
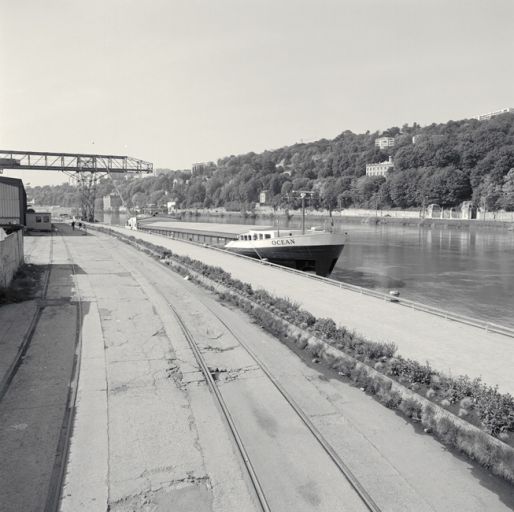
(148, 435)
(451, 347)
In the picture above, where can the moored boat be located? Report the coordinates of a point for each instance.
(310, 250)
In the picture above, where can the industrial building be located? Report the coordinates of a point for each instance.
(39, 221)
(13, 202)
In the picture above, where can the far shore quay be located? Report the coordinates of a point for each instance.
(450, 347)
(348, 216)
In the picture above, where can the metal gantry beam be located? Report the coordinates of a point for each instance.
(86, 169)
(71, 162)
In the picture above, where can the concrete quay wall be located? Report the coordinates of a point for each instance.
(451, 347)
(11, 257)
(357, 215)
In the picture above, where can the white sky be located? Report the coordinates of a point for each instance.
(176, 82)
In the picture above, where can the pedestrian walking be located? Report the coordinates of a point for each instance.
(73, 225)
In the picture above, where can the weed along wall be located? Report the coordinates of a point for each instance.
(465, 414)
(11, 255)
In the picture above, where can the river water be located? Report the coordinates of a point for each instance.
(468, 271)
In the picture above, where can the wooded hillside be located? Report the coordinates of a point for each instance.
(445, 164)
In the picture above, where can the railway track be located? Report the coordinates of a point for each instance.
(61, 456)
(29, 335)
(366, 499)
(56, 468)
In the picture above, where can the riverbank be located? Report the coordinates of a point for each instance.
(345, 216)
(455, 348)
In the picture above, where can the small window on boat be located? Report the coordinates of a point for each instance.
(246, 237)
(255, 237)
(260, 236)
(267, 235)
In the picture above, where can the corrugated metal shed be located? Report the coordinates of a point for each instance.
(13, 201)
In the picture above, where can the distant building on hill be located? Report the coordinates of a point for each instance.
(178, 182)
(264, 197)
(489, 115)
(201, 167)
(379, 169)
(384, 142)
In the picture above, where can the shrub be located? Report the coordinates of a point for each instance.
(411, 408)
(391, 399)
(326, 327)
(446, 430)
(428, 417)
(380, 385)
(344, 366)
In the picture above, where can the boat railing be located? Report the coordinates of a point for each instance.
(449, 315)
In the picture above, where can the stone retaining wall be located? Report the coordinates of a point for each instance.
(11, 257)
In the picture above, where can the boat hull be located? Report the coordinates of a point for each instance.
(318, 258)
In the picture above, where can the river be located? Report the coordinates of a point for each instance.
(468, 271)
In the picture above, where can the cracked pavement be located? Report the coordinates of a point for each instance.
(148, 435)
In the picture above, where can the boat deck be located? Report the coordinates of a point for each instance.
(216, 234)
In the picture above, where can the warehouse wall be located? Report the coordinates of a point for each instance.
(13, 201)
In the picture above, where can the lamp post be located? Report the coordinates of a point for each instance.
(302, 195)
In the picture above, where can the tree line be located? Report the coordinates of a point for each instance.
(445, 164)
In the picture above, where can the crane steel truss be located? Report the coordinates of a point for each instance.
(86, 169)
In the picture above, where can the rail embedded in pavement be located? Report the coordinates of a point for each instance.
(366, 499)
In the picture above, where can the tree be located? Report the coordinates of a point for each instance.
(287, 187)
(507, 199)
(249, 191)
(403, 189)
(195, 194)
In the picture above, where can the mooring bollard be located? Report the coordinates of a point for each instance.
(394, 294)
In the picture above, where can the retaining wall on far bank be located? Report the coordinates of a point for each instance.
(356, 215)
(11, 257)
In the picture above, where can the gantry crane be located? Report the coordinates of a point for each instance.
(85, 169)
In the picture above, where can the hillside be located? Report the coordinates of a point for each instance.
(441, 163)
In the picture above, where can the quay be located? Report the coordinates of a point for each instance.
(147, 432)
(452, 347)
